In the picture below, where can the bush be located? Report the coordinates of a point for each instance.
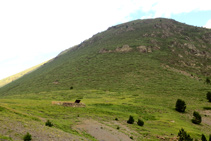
(130, 120)
(140, 122)
(209, 96)
(27, 137)
(203, 138)
(48, 123)
(197, 118)
(116, 119)
(183, 136)
(208, 81)
(180, 105)
(210, 138)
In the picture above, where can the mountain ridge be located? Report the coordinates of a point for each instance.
(165, 41)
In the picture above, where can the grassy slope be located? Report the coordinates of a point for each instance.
(9, 79)
(117, 84)
(83, 67)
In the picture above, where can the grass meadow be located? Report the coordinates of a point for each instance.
(156, 109)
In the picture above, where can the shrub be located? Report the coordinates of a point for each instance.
(197, 118)
(209, 96)
(208, 81)
(71, 88)
(140, 122)
(48, 123)
(116, 119)
(207, 108)
(117, 127)
(130, 120)
(183, 136)
(27, 137)
(203, 138)
(210, 138)
(180, 105)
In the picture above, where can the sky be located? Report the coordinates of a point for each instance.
(34, 31)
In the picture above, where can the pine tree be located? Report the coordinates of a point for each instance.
(130, 120)
(27, 137)
(180, 105)
(140, 122)
(209, 96)
(203, 138)
(197, 118)
(183, 136)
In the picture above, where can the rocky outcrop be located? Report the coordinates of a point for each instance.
(142, 49)
(127, 48)
(124, 48)
(145, 49)
(193, 50)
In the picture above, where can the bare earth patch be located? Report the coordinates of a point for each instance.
(101, 131)
(207, 118)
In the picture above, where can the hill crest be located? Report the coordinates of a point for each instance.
(114, 55)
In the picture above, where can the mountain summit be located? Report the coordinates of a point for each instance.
(125, 56)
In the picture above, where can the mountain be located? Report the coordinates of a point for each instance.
(137, 69)
(123, 55)
(18, 75)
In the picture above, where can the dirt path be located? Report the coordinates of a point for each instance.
(101, 131)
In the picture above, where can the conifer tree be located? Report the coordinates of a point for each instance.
(130, 120)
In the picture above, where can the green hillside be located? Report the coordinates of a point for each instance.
(153, 44)
(138, 68)
(18, 75)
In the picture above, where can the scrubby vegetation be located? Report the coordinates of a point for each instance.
(196, 118)
(203, 138)
(180, 105)
(27, 137)
(48, 123)
(208, 81)
(117, 127)
(130, 120)
(184, 136)
(209, 96)
(140, 122)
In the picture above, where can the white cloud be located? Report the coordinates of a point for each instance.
(147, 16)
(208, 24)
(31, 28)
(165, 8)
